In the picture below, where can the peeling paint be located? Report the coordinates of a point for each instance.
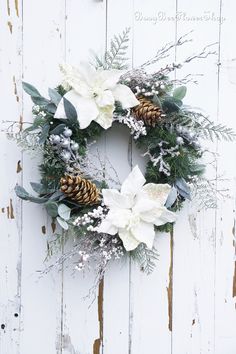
(17, 8)
(193, 322)
(193, 225)
(3, 210)
(8, 8)
(18, 167)
(98, 343)
(170, 286)
(10, 211)
(44, 229)
(67, 344)
(21, 123)
(53, 226)
(234, 276)
(15, 89)
(10, 26)
(234, 280)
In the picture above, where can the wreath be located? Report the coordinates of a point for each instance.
(109, 222)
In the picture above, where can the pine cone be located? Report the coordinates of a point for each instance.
(146, 111)
(80, 190)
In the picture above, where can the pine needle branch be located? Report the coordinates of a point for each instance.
(115, 57)
(145, 257)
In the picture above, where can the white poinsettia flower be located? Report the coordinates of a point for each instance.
(93, 94)
(135, 210)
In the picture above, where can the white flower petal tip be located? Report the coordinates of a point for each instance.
(93, 94)
(135, 210)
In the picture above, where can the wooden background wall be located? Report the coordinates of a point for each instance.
(188, 305)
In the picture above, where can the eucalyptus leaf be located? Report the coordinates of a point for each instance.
(51, 107)
(40, 100)
(156, 100)
(38, 121)
(44, 134)
(170, 105)
(55, 96)
(171, 197)
(57, 195)
(70, 111)
(64, 211)
(21, 193)
(52, 208)
(180, 92)
(183, 188)
(62, 223)
(58, 129)
(37, 187)
(30, 89)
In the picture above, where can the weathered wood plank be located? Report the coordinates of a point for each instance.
(43, 50)
(82, 315)
(10, 174)
(225, 295)
(151, 296)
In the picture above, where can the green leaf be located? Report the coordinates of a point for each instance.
(55, 96)
(44, 134)
(51, 108)
(62, 223)
(40, 101)
(21, 193)
(39, 121)
(30, 89)
(156, 101)
(58, 129)
(183, 188)
(180, 92)
(64, 211)
(52, 208)
(70, 111)
(37, 187)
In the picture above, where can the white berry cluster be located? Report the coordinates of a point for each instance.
(159, 160)
(91, 218)
(136, 127)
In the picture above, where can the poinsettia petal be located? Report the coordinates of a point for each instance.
(144, 232)
(114, 199)
(133, 183)
(107, 227)
(86, 108)
(147, 209)
(105, 117)
(129, 242)
(108, 78)
(166, 216)
(105, 98)
(125, 96)
(156, 192)
(75, 78)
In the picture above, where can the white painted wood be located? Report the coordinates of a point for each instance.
(11, 162)
(225, 283)
(132, 313)
(151, 298)
(85, 31)
(42, 51)
(194, 267)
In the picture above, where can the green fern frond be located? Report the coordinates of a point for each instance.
(145, 257)
(115, 56)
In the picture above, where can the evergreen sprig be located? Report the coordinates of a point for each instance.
(115, 56)
(146, 258)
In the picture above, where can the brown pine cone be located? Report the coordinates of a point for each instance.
(80, 190)
(146, 111)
